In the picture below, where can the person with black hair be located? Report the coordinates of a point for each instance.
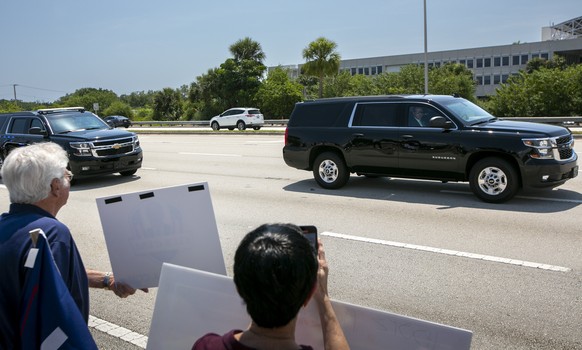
(277, 272)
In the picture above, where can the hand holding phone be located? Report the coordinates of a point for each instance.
(310, 232)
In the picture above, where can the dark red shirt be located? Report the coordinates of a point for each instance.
(213, 341)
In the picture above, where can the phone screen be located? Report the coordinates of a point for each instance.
(310, 233)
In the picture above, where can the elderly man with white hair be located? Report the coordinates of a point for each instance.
(38, 182)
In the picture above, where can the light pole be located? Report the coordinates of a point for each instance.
(14, 88)
(425, 54)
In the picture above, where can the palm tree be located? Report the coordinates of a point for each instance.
(321, 60)
(247, 49)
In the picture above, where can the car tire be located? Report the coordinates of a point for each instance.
(241, 125)
(330, 171)
(494, 180)
(215, 126)
(257, 128)
(128, 172)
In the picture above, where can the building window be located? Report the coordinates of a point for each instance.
(487, 80)
(496, 79)
(463, 62)
(545, 55)
(479, 63)
(379, 69)
(524, 59)
(479, 79)
(366, 71)
(497, 61)
(470, 63)
(373, 70)
(505, 60)
(504, 78)
(535, 55)
(515, 61)
(354, 71)
(360, 70)
(487, 62)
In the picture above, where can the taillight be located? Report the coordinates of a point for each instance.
(286, 134)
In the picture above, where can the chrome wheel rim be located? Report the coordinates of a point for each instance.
(328, 171)
(492, 181)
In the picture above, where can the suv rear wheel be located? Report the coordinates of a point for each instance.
(494, 180)
(330, 171)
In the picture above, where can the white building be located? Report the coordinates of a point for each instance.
(491, 65)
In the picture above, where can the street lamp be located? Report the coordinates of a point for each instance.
(425, 54)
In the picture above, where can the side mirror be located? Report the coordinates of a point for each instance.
(37, 131)
(440, 122)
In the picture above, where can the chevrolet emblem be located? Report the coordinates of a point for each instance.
(116, 146)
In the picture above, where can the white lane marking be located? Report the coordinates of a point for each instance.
(211, 154)
(577, 201)
(450, 252)
(146, 168)
(118, 332)
(2, 186)
(270, 141)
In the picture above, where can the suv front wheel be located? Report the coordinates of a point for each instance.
(241, 125)
(330, 171)
(215, 126)
(494, 180)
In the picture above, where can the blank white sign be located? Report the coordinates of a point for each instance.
(173, 224)
(191, 303)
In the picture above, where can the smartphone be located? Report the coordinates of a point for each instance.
(310, 233)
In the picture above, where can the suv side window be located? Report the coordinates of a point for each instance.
(419, 115)
(376, 114)
(36, 123)
(19, 126)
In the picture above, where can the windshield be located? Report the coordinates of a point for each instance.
(467, 111)
(61, 124)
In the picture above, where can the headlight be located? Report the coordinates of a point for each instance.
(81, 148)
(541, 148)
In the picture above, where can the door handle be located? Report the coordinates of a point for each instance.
(407, 136)
(358, 135)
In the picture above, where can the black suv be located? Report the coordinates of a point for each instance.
(94, 148)
(432, 137)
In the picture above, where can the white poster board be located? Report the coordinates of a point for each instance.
(191, 303)
(173, 224)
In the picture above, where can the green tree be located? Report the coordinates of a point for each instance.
(139, 99)
(452, 78)
(278, 94)
(167, 105)
(247, 49)
(87, 97)
(321, 60)
(543, 92)
(118, 108)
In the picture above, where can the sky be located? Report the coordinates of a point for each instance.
(50, 48)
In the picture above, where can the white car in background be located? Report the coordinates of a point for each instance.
(238, 117)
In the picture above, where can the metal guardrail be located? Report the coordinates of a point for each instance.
(199, 123)
(575, 120)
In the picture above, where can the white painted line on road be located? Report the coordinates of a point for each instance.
(450, 252)
(270, 141)
(577, 201)
(2, 186)
(118, 332)
(211, 154)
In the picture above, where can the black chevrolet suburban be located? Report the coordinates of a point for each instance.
(94, 148)
(433, 137)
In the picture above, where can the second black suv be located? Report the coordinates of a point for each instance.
(93, 147)
(432, 137)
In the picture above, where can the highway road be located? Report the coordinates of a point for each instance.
(511, 273)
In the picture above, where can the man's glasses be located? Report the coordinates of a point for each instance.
(69, 175)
